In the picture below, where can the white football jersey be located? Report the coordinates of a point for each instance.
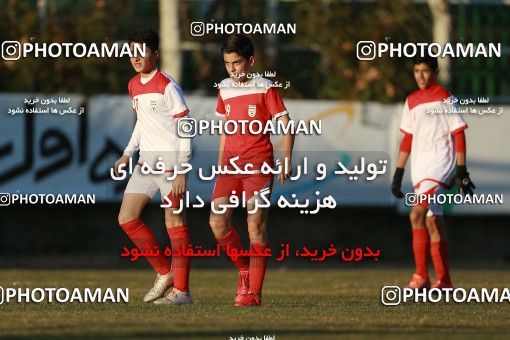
(427, 116)
(158, 102)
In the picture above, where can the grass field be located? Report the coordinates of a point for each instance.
(298, 304)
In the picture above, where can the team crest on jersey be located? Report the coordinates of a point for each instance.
(153, 105)
(252, 110)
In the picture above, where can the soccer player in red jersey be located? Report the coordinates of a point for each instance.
(242, 97)
(159, 103)
(434, 136)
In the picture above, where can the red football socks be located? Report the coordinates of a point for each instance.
(420, 250)
(439, 254)
(232, 241)
(179, 238)
(258, 266)
(144, 239)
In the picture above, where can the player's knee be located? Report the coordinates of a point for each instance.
(256, 228)
(257, 234)
(416, 217)
(126, 217)
(435, 231)
(174, 221)
(218, 224)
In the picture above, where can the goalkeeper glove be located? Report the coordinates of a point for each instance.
(397, 183)
(462, 180)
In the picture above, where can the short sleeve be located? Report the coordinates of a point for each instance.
(274, 103)
(133, 106)
(129, 88)
(406, 124)
(174, 98)
(220, 106)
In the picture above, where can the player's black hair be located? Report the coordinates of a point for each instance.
(240, 44)
(426, 59)
(147, 36)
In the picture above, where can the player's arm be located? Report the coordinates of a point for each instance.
(457, 125)
(221, 148)
(134, 141)
(403, 156)
(288, 145)
(462, 176)
(184, 150)
(174, 98)
(460, 147)
(407, 128)
(184, 155)
(276, 108)
(131, 148)
(221, 112)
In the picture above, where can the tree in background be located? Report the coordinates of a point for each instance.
(333, 28)
(70, 21)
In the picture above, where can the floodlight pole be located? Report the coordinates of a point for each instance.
(170, 39)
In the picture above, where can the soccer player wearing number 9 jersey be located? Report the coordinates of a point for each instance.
(245, 98)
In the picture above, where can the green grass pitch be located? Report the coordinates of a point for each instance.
(297, 304)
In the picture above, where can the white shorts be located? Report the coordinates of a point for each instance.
(431, 188)
(149, 184)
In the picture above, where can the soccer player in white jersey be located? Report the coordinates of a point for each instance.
(254, 100)
(158, 102)
(434, 136)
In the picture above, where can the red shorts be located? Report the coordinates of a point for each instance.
(225, 184)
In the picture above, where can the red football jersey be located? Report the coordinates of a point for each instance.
(256, 99)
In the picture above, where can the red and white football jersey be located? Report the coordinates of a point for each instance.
(255, 100)
(158, 101)
(433, 149)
